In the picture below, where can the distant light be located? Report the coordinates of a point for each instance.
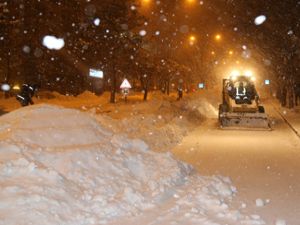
(267, 82)
(201, 85)
(260, 20)
(96, 73)
(230, 52)
(5, 87)
(97, 21)
(218, 37)
(253, 78)
(192, 38)
(16, 87)
(53, 43)
(146, 1)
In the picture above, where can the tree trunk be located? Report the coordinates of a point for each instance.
(283, 96)
(146, 94)
(291, 98)
(168, 86)
(113, 88)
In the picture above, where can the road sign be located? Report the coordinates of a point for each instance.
(201, 85)
(267, 82)
(96, 73)
(125, 84)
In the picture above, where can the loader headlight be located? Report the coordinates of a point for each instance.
(248, 73)
(235, 73)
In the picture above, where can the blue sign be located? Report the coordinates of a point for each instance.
(96, 73)
(267, 82)
(201, 85)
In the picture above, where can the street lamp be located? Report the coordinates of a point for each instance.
(230, 52)
(190, 1)
(145, 2)
(218, 37)
(192, 40)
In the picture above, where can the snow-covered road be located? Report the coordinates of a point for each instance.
(262, 164)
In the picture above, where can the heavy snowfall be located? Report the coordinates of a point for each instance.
(69, 160)
(149, 112)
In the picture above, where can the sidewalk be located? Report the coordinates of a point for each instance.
(292, 116)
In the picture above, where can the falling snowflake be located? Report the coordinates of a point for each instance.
(26, 49)
(97, 21)
(260, 20)
(143, 33)
(53, 43)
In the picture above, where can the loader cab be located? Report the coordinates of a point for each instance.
(241, 89)
(240, 107)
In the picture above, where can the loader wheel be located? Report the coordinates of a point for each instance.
(222, 108)
(261, 109)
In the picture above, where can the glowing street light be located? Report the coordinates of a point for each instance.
(192, 40)
(146, 3)
(190, 1)
(218, 37)
(230, 52)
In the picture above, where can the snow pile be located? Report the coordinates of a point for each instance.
(161, 123)
(87, 95)
(60, 166)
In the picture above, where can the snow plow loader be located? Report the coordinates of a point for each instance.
(240, 108)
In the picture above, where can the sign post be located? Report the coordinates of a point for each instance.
(125, 87)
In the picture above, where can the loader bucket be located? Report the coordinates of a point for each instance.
(252, 121)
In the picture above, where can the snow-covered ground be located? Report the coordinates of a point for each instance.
(292, 116)
(264, 165)
(99, 163)
(61, 166)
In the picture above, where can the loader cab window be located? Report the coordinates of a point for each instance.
(240, 90)
(243, 91)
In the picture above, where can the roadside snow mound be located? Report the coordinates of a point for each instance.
(60, 166)
(49, 126)
(161, 123)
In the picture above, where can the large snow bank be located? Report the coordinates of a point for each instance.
(161, 123)
(60, 166)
